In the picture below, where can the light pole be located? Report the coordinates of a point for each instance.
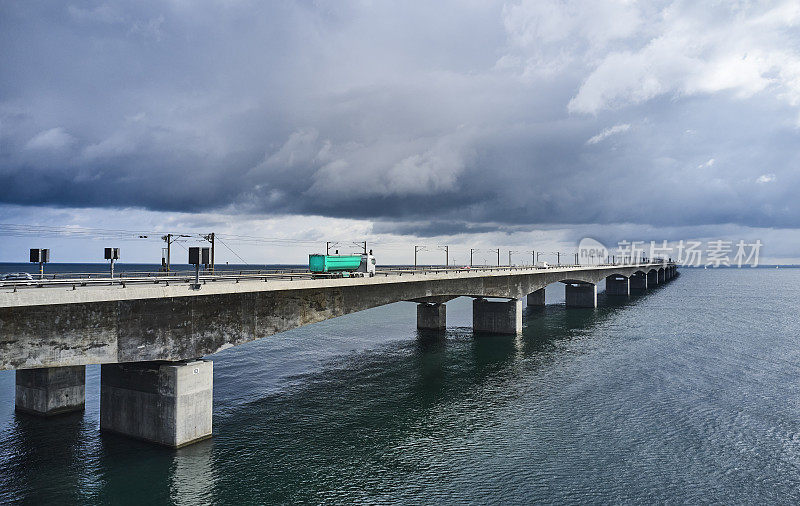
(210, 238)
(169, 239)
(446, 250)
(362, 244)
(416, 249)
(471, 251)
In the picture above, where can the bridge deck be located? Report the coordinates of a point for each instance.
(77, 290)
(66, 324)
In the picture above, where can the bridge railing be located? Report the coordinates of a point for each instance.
(79, 279)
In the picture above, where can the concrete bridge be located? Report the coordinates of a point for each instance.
(150, 333)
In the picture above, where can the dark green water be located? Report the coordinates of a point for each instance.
(689, 393)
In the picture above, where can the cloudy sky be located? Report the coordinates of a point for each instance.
(518, 125)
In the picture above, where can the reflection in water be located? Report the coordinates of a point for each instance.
(193, 474)
(40, 455)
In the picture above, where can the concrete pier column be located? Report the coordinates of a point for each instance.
(536, 299)
(661, 276)
(50, 390)
(581, 295)
(431, 316)
(618, 285)
(638, 281)
(497, 317)
(168, 403)
(652, 279)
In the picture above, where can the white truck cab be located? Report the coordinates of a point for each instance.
(367, 264)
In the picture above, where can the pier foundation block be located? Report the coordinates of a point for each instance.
(503, 317)
(431, 316)
(581, 295)
(618, 285)
(169, 403)
(536, 299)
(638, 281)
(50, 390)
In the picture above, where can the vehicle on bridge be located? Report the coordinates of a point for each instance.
(17, 276)
(342, 266)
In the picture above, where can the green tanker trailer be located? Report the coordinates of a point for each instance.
(342, 265)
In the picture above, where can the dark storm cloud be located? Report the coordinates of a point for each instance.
(435, 228)
(430, 118)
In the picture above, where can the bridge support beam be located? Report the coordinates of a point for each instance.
(431, 316)
(50, 390)
(169, 403)
(536, 299)
(639, 281)
(652, 279)
(581, 295)
(618, 285)
(497, 317)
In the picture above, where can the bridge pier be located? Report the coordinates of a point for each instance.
(618, 285)
(431, 316)
(638, 281)
(652, 279)
(536, 299)
(580, 295)
(661, 276)
(169, 403)
(497, 317)
(50, 390)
